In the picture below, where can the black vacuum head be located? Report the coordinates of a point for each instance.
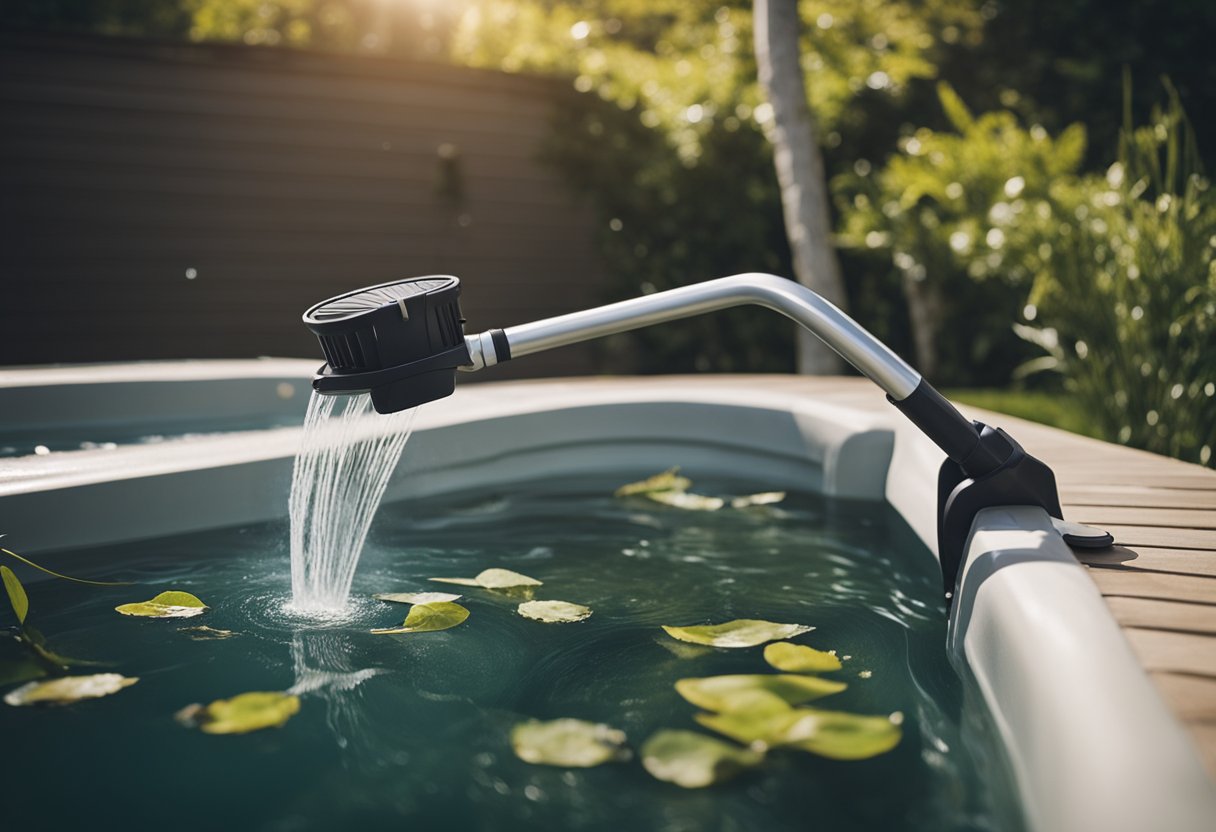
(400, 341)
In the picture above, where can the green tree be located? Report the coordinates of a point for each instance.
(687, 72)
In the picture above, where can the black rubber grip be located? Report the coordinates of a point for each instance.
(977, 449)
(502, 347)
(932, 413)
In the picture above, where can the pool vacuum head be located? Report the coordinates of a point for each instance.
(400, 341)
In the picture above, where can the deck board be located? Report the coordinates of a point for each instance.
(1200, 540)
(1151, 613)
(1135, 497)
(1160, 581)
(1150, 559)
(1177, 518)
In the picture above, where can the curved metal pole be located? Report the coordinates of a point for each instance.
(905, 387)
(795, 301)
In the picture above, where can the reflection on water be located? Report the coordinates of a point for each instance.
(323, 671)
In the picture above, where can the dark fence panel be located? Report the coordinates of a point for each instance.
(173, 200)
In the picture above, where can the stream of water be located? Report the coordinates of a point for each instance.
(347, 455)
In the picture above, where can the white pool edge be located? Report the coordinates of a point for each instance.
(1092, 744)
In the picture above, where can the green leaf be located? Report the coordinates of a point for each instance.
(954, 107)
(743, 632)
(666, 481)
(493, 579)
(68, 689)
(796, 658)
(418, 597)
(171, 604)
(570, 743)
(844, 736)
(686, 501)
(694, 760)
(429, 618)
(834, 734)
(722, 693)
(553, 611)
(758, 729)
(64, 577)
(241, 714)
(765, 498)
(16, 593)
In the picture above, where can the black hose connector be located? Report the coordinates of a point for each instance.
(984, 468)
(1020, 480)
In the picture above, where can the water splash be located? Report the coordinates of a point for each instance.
(347, 455)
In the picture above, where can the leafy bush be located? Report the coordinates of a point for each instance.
(949, 215)
(664, 223)
(1125, 303)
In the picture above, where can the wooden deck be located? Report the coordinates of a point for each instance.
(1159, 579)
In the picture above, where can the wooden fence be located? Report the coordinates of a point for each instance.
(174, 200)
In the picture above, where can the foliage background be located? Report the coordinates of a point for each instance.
(969, 144)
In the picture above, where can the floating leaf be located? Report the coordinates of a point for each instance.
(172, 604)
(553, 611)
(721, 693)
(743, 632)
(204, 633)
(429, 618)
(765, 498)
(844, 736)
(493, 579)
(418, 597)
(569, 743)
(686, 500)
(68, 689)
(759, 729)
(242, 714)
(666, 481)
(504, 579)
(16, 594)
(694, 760)
(796, 658)
(834, 734)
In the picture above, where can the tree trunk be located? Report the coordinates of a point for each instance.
(925, 309)
(804, 198)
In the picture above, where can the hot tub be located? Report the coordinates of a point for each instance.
(1089, 742)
